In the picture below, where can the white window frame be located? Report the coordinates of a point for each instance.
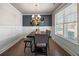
(74, 41)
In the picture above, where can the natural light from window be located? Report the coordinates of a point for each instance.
(66, 23)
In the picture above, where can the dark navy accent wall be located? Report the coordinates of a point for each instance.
(46, 20)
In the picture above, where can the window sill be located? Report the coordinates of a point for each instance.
(72, 41)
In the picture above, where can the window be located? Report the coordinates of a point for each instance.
(66, 23)
(59, 23)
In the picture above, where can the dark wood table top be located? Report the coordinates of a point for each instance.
(32, 34)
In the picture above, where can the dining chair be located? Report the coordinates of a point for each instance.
(41, 44)
(28, 43)
(48, 32)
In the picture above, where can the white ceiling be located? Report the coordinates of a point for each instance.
(29, 8)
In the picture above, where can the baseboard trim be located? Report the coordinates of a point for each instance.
(65, 48)
(10, 45)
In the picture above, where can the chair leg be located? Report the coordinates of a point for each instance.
(46, 50)
(25, 48)
(31, 46)
(46, 53)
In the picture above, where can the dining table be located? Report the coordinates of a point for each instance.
(32, 35)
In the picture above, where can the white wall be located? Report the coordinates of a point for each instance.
(10, 26)
(70, 47)
(29, 29)
(9, 16)
(11, 30)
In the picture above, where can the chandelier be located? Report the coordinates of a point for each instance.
(36, 18)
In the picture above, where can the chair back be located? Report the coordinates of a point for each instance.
(41, 38)
(48, 32)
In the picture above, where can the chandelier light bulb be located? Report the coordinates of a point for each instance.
(33, 15)
(39, 16)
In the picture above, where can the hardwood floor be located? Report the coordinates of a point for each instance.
(18, 50)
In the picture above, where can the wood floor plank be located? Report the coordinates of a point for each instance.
(18, 50)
